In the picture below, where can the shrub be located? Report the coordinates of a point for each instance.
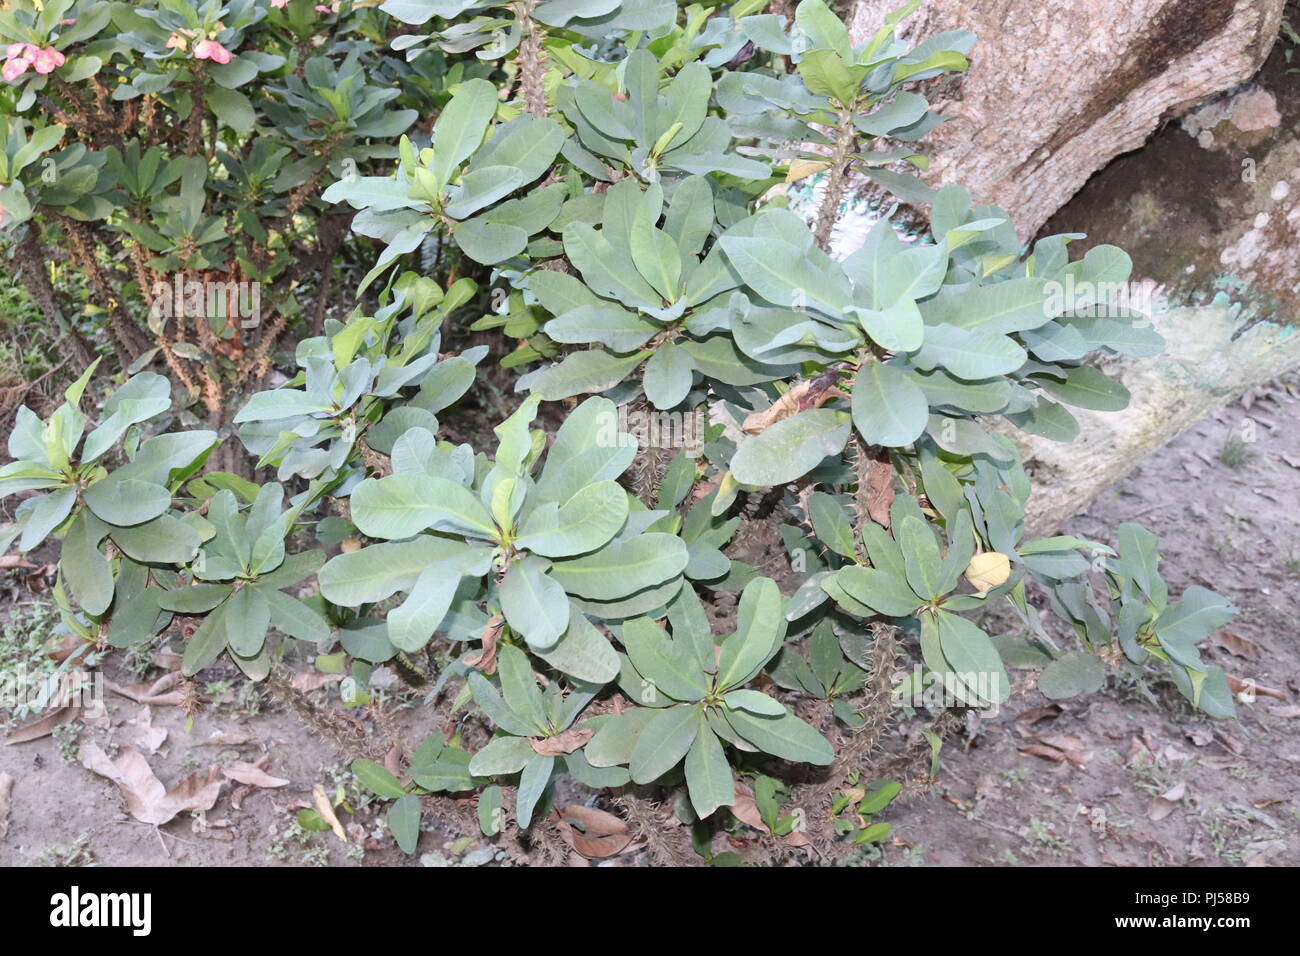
(612, 181)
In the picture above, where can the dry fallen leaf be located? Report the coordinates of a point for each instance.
(876, 493)
(1063, 748)
(6, 788)
(313, 680)
(565, 743)
(322, 804)
(1167, 802)
(745, 809)
(146, 798)
(1236, 644)
(8, 561)
(987, 570)
(1034, 714)
(44, 725)
(803, 168)
(1285, 712)
(485, 659)
(252, 775)
(143, 734)
(593, 833)
(158, 693)
(1237, 685)
(810, 393)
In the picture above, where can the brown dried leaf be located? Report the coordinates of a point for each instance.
(1237, 685)
(593, 833)
(8, 561)
(158, 693)
(146, 798)
(485, 659)
(565, 743)
(879, 493)
(308, 681)
(43, 725)
(1165, 804)
(6, 788)
(1034, 714)
(745, 809)
(1236, 644)
(251, 775)
(143, 734)
(322, 805)
(1285, 712)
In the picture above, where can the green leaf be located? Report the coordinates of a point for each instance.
(1086, 387)
(232, 108)
(969, 354)
(888, 407)
(1072, 674)
(920, 557)
(623, 567)
(534, 603)
(49, 512)
(583, 652)
(489, 810)
(879, 590)
(605, 323)
(404, 822)
(491, 703)
(756, 702)
(585, 522)
(248, 615)
(84, 566)
(972, 656)
(790, 448)
(1195, 617)
(461, 126)
(669, 665)
(532, 785)
(127, 501)
(377, 779)
(665, 740)
(401, 505)
(501, 756)
(589, 370)
(708, 775)
(206, 644)
(293, 617)
(381, 570)
(760, 627)
(668, 375)
(786, 737)
(519, 687)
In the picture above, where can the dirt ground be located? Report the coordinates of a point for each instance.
(1149, 781)
(1157, 783)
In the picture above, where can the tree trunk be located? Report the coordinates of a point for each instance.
(1057, 89)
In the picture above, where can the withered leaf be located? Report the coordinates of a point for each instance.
(146, 798)
(565, 743)
(593, 833)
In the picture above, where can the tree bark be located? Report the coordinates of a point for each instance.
(1057, 89)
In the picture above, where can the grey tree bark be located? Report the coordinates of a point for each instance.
(1058, 88)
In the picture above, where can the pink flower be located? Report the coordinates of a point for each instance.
(14, 68)
(279, 4)
(69, 21)
(19, 49)
(48, 60)
(176, 42)
(211, 50)
(321, 8)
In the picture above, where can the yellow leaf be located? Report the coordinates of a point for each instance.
(802, 168)
(988, 570)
